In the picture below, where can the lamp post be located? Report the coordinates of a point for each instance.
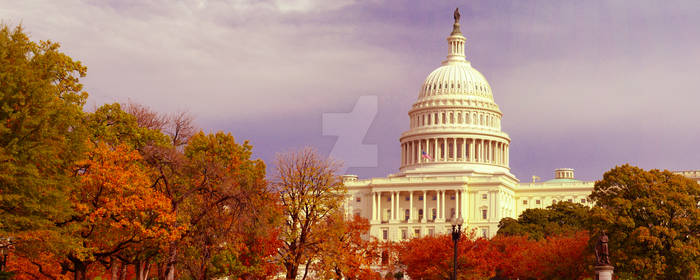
(456, 234)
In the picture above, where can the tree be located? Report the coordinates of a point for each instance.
(310, 193)
(224, 201)
(653, 221)
(431, 257)
(504, 257)
(553, 257)
(347, 252)
(559, 218)
(117, 210)
(41, 138)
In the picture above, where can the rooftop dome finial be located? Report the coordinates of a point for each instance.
(455, 27)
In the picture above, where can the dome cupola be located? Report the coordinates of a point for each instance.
(455, 124)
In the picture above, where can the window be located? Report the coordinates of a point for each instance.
(538, 202)
(434, 197)
(452, 197)
(385, 234)
(524, 201)
(407, 198)
(420, 198)
(358, 199)
(484, 214)
(404, 234)
(417, 233)
(485, 232)
(407, 214)
(431, 232)
(484, 196)
(434, 213)
(388, 198)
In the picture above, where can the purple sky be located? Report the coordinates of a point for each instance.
(582, 84)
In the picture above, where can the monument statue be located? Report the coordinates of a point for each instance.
(601, 250)
(457, 15)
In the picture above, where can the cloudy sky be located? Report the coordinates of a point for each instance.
(582, 84)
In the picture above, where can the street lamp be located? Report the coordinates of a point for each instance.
(456, 234)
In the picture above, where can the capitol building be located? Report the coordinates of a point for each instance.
(455, 163)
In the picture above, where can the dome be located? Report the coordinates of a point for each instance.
(455, 125)
(456, 79)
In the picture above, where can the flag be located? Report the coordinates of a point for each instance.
(426, 155)
(535, 178)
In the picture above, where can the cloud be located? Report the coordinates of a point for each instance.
(581, 84)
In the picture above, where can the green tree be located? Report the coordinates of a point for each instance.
(560, 218)
(653, 221)
(41, 138)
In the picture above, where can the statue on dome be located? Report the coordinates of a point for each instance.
(457, 15)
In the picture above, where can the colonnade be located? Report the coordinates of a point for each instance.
(379, 198)
(453, 149)
(455, 117)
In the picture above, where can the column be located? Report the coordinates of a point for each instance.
(437, 205)
(477, 156)
(396, 205)
(393, 212)
(471, 150)
(493, 151)
(410, 206)
(442, 205)
(464, 149)
(454, 149)
(435, 151)
(507, 153)
(419, 152)
(379, 206)
(456, 204)
(374, 206)
(498, 152)
(425, 207)
(403, 154)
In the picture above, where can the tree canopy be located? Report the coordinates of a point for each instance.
(560, 218)
(653, 221)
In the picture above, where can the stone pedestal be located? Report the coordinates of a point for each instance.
(603, 272)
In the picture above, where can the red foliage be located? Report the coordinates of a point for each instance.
(512, 257)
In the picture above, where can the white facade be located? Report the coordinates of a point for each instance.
(454, 163)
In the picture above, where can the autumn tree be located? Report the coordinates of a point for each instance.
(560, 218)
(347, 251)
(311, 193)
(653, 221)
(41, 138)
(226, 206)
(557, 256)
(116, 208)
(431, 257)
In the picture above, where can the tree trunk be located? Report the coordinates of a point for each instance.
(170, 264)
(79, 266)
(142, 269)
(114, 267)
(292, 271)
(122, 275)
